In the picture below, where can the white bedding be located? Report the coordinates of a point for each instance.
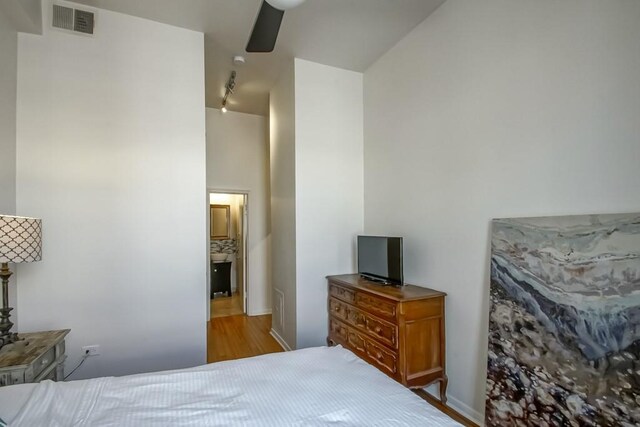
(311, 387)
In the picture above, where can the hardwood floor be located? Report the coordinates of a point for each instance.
(236, 337)
(226, 306)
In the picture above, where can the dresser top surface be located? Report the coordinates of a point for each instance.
(31, 346)
(396, 293)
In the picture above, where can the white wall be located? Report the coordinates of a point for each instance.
(238, 159)
(316, 117)
(111, 155)
(329, 187)
(283, 204)
(8, 82)
(498, 109)
(24, 15)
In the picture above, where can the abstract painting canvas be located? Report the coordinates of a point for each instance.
(564, 322)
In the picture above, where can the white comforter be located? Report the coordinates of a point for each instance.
(311, 387)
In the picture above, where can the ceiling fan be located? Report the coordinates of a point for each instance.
(265, 30)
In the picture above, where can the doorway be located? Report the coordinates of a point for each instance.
(228, 225)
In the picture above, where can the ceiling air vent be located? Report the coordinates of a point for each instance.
(76, 20)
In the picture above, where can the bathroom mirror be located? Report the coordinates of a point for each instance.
(220, 222)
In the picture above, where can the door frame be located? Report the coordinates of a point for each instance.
(245, 255)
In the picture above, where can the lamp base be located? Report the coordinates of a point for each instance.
(10, 338)
(6, 336)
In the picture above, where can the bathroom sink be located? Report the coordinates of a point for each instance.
(219, 257)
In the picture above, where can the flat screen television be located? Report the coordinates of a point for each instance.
(380, 259)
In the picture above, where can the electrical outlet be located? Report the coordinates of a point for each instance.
(91, 350)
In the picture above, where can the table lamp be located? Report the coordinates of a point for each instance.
(20, 241)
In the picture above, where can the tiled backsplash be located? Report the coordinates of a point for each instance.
(224, 246)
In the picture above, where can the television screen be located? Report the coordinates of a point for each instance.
(380, 258)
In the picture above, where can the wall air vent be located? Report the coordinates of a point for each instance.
(62, 17)
(83, 22)
(76, 20)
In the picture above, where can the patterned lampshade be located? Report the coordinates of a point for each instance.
(20, 239)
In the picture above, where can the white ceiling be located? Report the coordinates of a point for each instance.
(349, 34)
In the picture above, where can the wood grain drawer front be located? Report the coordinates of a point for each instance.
(381, 330)
(375, 305)
(338, 330)
(44, 361)
(382, 357)
(342, 293)
(338, 308)
(385, 359)
(376, 354)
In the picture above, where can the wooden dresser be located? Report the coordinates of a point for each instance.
(399, 330)
(38, 356)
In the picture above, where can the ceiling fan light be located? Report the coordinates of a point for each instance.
(284, 4)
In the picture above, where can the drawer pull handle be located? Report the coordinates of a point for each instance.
(44, 362)
(337, 308)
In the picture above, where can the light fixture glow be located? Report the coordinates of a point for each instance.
(223, 109)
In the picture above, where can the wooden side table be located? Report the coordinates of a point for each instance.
(38, 356)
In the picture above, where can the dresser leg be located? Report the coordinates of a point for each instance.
(443, 389)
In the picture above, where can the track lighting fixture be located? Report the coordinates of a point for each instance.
(231, 84)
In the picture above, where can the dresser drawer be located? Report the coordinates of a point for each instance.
(342, 293)
(377, 355)
(10, 378)
(338, 331)
(51, 372)
(338, 308)
(379, 329)
(382, 357)
(44, 361)
(376, 305)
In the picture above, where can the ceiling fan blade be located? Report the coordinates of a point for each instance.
(265, 30)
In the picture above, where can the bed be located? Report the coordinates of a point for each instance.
(310, 387)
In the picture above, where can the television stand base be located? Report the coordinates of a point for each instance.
(379, 281)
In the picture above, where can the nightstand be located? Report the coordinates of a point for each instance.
(38, 356)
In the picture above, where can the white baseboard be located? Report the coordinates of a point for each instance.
(461, 408)
(259, 312)
(466, 411)
(280, 340)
